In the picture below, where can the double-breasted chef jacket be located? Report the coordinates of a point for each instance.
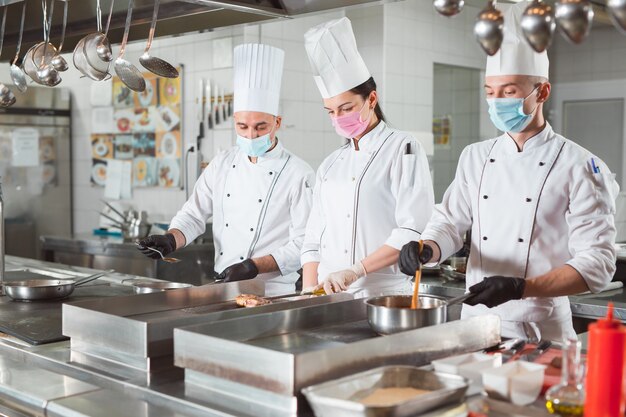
(258, 209)
(381, 194)
(530, 212)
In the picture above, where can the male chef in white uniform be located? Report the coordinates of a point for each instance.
(541, 208)
(258, 193)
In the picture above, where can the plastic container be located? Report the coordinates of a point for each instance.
(606, 358)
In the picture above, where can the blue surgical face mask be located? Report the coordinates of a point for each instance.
(255, 147)
(507, 114)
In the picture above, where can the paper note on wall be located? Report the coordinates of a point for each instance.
(102, 120)
(113, 184)
(126, 192)
(25, 147)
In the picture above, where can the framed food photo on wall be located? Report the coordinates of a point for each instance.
(146, 131)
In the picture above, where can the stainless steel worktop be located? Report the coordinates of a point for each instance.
(46, 380)
(587, 306)
(113, 252)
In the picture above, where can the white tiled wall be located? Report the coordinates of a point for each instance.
(399, 41)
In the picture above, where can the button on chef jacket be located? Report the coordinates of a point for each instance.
(365, 199)
(530, 212)
(258, 209)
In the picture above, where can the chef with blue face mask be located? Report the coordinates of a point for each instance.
(540, 207)
(258, 193)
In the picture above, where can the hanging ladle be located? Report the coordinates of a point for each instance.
(538, 25)
(46, 73)
(17, 74)
(7, 98)
(128, 73)
(153, 64)
(104, 46)
(58, 62)
(488, 28)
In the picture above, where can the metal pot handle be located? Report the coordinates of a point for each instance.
(90, 278)
(459, 300)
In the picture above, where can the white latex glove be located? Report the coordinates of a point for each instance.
(340, 280)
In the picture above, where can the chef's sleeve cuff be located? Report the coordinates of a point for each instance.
(401, 236)
(447, 246)
(187, 231)
(310, 256)
(596, 275)
(285, 265)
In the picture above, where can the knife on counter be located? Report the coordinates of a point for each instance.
(201, 100)
(209, 106)
(218, 119)
(538, 351)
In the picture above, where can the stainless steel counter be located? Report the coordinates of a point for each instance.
(109, 252)
(584, 306)
(46, 380)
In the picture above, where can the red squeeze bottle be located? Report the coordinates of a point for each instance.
(606, 358)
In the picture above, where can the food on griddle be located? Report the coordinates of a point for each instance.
(388, 397)
(251, 300)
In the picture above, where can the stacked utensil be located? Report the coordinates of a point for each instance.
(132, 224)
(7, 98)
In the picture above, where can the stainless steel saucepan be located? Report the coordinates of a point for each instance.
(46, 289)
(393, 313)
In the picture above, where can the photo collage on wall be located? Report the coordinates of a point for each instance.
(145, 130)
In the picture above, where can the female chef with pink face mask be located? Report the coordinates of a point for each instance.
(372, 195)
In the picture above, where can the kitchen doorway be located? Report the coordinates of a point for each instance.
(456, 119)
(598, 125)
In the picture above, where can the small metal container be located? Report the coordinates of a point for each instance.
(393, 313)
(146, 287)
(342, 397)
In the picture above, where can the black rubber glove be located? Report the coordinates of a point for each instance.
(239, 272)
(410, 259)
(165, 244)
(497, 290)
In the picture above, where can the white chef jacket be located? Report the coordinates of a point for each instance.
(258, 209)
(379, 195)
(530, 212)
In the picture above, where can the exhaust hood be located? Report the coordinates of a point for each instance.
(175, 17)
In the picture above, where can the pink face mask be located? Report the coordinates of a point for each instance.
(350, 125)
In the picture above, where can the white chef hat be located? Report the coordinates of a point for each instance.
(258, 70)
(334, 57)
(515, 56)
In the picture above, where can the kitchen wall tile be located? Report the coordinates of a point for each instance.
(272, 30)
(293, 114)
(293, 85)
(295, 56)
(315, 117)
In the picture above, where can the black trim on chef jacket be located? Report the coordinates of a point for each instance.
(356, 197)
(263, 213)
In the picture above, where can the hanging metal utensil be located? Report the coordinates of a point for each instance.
(7, 98)
(448, 8)
(617, 13)
(58, 62)
(153, 64)
(17, 74)
(538, 25)
(573, 18)
(104, 46)
(80, 58)
(216, 108)
(488, 28)
(90, 48)
(46, 73)
(127, 72)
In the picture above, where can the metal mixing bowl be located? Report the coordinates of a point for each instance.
(392, 313)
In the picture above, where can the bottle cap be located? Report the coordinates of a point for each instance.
(609, 322)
